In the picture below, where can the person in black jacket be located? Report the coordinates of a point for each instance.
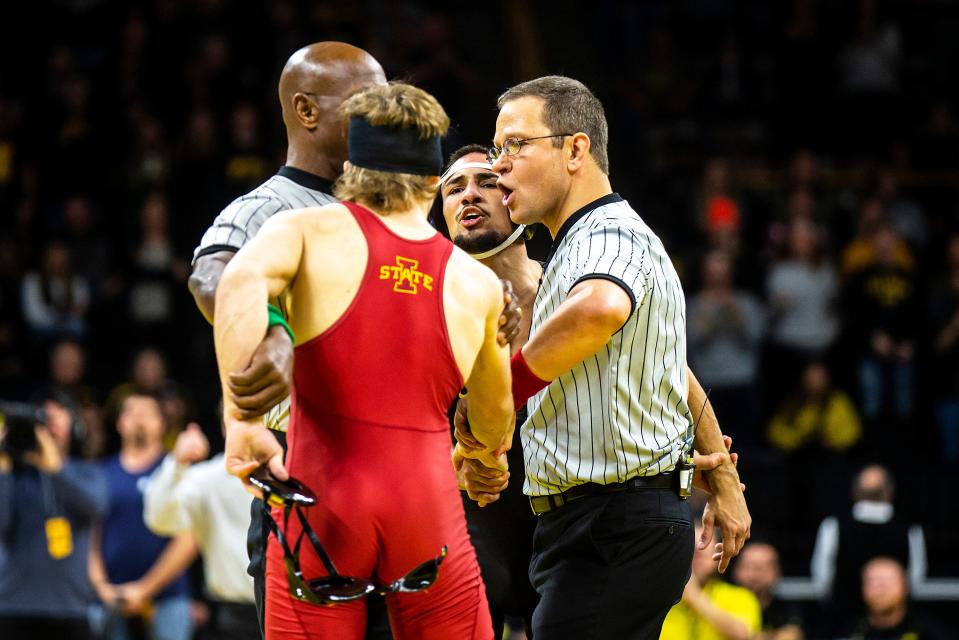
(49, 503)
(847, 542)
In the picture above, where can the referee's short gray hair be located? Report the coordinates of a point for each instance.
(568, 107)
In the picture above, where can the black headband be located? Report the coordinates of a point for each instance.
(393, 149)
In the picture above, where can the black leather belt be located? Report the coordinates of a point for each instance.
(542, 504)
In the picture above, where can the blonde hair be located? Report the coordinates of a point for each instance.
(396, 105)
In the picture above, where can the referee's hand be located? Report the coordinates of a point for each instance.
(266, 380)
(511, 318)
(707, 462)
(726, 508)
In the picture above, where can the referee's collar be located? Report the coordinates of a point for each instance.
(578, 215)
(306, 179)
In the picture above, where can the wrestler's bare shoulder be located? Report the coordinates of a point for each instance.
(318, 220)
(472, 279)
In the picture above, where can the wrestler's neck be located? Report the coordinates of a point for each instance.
(411, 223)
(584, 187)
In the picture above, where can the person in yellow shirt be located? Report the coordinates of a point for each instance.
(818, 414)
(860, 253)
(712, 609)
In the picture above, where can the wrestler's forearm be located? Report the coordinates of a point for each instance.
(491, 414)
(261, 270)
(240, 322)
(708, 437)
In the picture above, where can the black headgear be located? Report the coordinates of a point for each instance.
(393, 149)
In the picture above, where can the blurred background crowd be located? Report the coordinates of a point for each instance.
(799, 159)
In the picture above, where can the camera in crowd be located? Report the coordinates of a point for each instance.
(18, 422)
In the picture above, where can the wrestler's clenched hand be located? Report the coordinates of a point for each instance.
(482, 484)
(250, 445)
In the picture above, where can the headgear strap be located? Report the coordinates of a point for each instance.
(502, 245)
(456, 167)
(393, 149)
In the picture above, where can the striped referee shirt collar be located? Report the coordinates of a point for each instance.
(305, 179)
(578, 215)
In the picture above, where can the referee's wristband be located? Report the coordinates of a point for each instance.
(275, 317)
(525, 382)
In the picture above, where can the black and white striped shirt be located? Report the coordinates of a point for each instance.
(290, 188)
(622, 412)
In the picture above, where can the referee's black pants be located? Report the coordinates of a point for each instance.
(611, 565)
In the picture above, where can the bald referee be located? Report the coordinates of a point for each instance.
(605, 376)
(314, 83)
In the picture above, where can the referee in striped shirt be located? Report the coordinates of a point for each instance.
(606, 380)
(314, 83)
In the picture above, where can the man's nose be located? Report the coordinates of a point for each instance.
(472, 192)
(501, 164)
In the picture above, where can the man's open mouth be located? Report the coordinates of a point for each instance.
(470, 216)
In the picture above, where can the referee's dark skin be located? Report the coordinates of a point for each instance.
(311, 91)
(312, 87)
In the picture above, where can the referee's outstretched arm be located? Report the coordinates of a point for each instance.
(594, 310)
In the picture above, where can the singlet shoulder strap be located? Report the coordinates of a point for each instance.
(368, 221)
(361, 214)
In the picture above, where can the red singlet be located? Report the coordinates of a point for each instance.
(369, 434)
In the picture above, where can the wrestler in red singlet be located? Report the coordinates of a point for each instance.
(369, 434)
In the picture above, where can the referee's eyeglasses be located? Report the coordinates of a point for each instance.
(511, 146)
(334, 588)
